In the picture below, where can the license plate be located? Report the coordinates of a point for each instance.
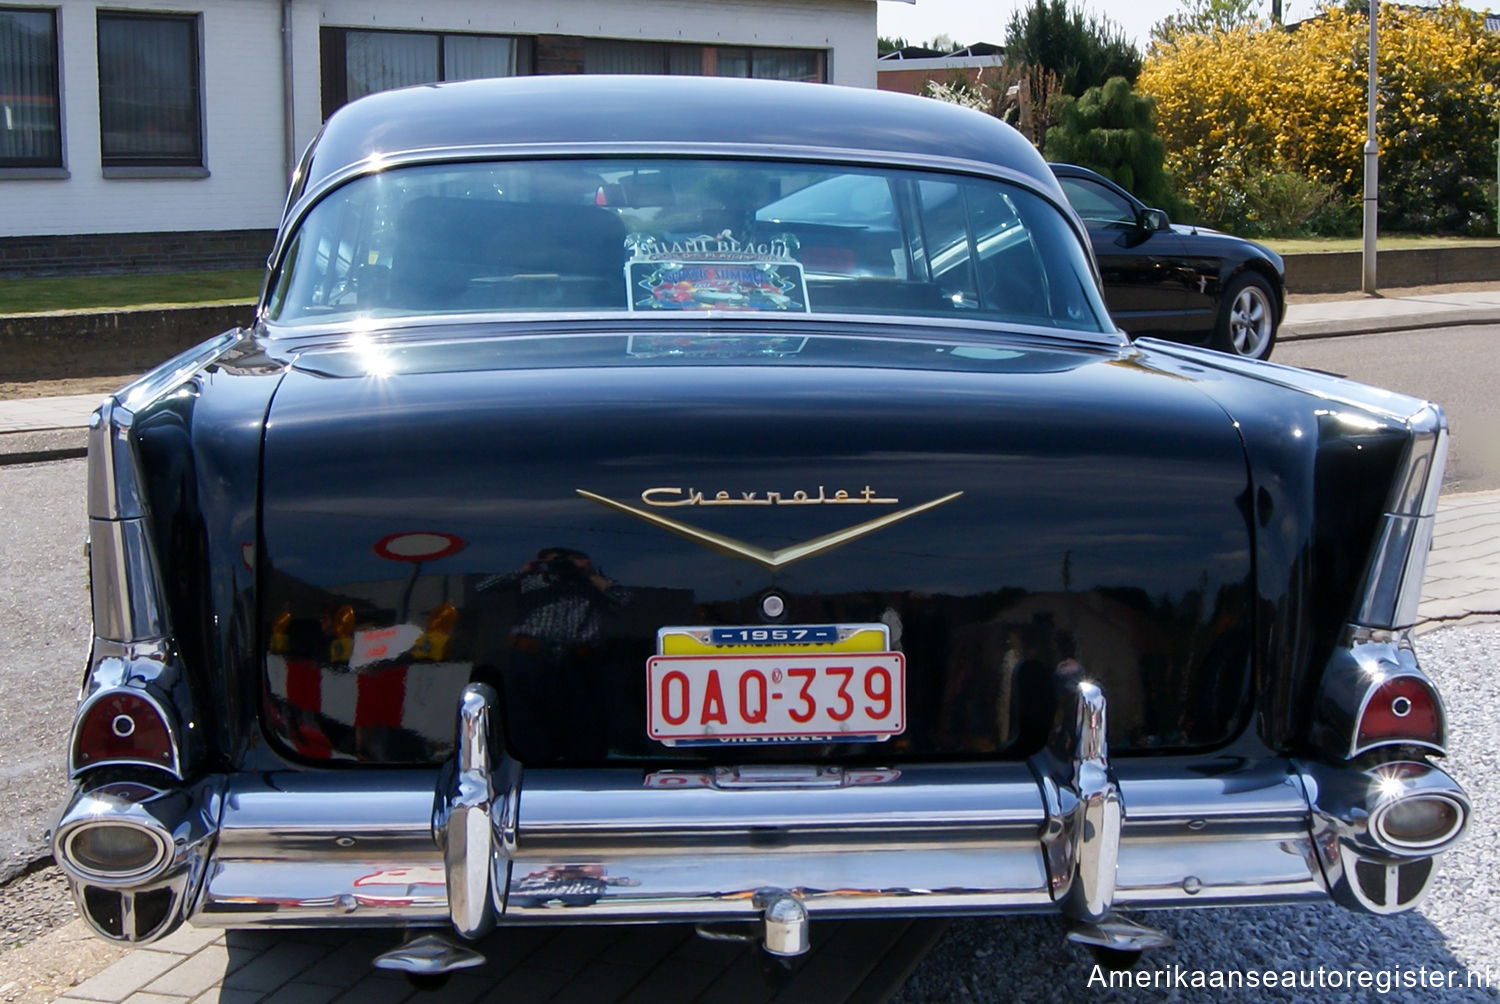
(716, 686)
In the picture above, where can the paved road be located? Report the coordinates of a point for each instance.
(44, 626)
(1458, 368)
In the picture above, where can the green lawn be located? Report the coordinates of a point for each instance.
(1383, 242)
(20, 296)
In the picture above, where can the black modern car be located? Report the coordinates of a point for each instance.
(1186, 283)
(928, 592)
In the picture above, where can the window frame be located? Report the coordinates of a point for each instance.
(48, 167)
(117, 165)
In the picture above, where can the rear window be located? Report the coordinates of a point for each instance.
(667, 236)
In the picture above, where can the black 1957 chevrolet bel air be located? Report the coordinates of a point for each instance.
(639, 502)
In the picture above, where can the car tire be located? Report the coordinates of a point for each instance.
(1246, 325)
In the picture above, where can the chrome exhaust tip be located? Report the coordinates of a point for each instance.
(785, 920)
(1416, 809)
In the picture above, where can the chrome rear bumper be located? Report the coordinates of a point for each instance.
(599, 846)
(480, 842)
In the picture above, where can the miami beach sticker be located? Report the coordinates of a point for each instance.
(714, 273)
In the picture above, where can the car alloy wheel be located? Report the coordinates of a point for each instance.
(1247, 319)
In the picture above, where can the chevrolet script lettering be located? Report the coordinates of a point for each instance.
(674, 497)
(725, 544)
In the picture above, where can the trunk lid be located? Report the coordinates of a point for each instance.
(492, 508)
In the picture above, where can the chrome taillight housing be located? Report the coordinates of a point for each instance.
(124, 725)
(1375, 695)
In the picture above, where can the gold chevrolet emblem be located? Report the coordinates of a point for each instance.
(770, 559)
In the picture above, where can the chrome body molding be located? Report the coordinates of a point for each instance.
(1365, 869)
(1354, 673)
(1081, 835)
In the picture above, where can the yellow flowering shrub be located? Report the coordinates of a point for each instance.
(1238, 107)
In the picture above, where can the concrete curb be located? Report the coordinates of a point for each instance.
(42, 445)
(1342, 327)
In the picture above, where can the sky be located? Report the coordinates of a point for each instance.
(967, 21)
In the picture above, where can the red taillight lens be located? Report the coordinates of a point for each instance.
(122, 726)
(1402, 709)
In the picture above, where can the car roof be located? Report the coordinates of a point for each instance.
(639, 113)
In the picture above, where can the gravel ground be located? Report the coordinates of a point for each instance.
(1456, 929)
(31, 905)
(44, 622)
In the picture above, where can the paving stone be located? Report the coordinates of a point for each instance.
(187, 939)
(298, 992)
(744, 982)
(374, 990)
(218, 995)
(195, 974)
(141, 997)
(572, 946)
(646, 942)
(126, 976)
(526, 984)
(276, 966)
(674, 980)
(599, 981)
(826, 976)
(343, 964)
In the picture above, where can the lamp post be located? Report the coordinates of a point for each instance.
(1372, 165)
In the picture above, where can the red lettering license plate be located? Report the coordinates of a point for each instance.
(776, 697)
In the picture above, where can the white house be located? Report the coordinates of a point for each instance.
(163, 131)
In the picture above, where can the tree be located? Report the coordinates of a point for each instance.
(1019, 95)
(885, 44)
(1205, 17)
(1241, 108)
(1082, 50)
(1112, 129)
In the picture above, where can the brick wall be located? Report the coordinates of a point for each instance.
(124, 254)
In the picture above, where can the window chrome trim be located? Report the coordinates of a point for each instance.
(294, 215)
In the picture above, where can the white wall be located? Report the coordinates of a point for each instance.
(242, 95)
(844, 27)
(242, 140)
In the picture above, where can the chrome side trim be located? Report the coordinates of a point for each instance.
(1354, 673)
(1081, 837)
(127, 601)
(1393, 580)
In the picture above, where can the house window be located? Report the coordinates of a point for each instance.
(772, 64)
(608, 55)
(356, 63)
(150, 99)
(30, 120)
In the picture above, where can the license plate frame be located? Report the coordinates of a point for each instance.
(845, 686)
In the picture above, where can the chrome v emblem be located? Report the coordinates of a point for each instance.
(770, 559)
